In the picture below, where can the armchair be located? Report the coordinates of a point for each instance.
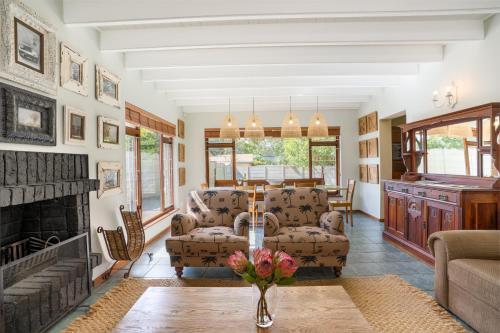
(298, 221)
(216, 225)
(467, 275)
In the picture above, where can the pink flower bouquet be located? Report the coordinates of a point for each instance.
(266, 270)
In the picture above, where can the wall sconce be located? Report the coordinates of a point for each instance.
(450, 97)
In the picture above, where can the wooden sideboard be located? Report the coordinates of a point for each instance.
(416, 209)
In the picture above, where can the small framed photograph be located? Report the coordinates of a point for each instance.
(26, 117)
(110, 178)
(75, 126)
(29, 48)
(73, 70)
(182, 152)
(107, 87)
(108, 133)
(182, 176)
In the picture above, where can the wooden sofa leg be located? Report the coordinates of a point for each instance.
(178, 271)
(338, 271)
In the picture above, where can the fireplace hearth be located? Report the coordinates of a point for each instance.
(44, 237)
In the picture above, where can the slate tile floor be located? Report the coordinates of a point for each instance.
(369, 255)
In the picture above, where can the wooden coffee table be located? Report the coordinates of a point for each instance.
(194, 309)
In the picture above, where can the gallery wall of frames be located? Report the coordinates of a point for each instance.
(59, 93)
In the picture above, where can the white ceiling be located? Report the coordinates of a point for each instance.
(201, 52)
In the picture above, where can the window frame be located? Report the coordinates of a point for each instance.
(211, 133)
(135, 131)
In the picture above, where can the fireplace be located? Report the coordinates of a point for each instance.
(44, 237)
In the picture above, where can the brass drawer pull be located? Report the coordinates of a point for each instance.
(390, 188)
(422, 194)
(443, 197)
(405, 190)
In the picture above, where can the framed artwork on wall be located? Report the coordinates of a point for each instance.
(108, 133)
(182, 176)
(362, 125)
(28, 48)
(73, 70)
(363, 149)
(180, 128)
(372, 122)
(75, 126)
(363, 173)
(373, 177)
(26, 117)
(110, 178)
(373, 147)
(182, 152)
(107, 86)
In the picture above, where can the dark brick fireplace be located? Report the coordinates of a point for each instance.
(44, 237)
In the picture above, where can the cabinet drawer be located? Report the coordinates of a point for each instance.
(444, 196)
(391, 187)
(421, 192)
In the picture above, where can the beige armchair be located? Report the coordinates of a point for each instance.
(467, 275)
(216, 225)
(298, 222)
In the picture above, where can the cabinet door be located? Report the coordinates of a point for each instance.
(415, 224)
(395, 214)
(439, 217)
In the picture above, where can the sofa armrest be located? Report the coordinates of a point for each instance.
(468, 244)
(242, 224)
(333, 222)
(271, 225)
(459, 244)
(182, 224)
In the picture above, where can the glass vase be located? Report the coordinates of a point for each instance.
(264, 301)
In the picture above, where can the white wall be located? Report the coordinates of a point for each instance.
(473, 66)
(346, 119)
(104, 211)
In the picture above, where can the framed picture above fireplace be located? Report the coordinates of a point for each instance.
(75, 126)
(108, 133)
(73, 70)
(107, 86)
(30, 48)
(26, 117)
(110, 178)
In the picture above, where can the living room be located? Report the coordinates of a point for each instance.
(288, 166)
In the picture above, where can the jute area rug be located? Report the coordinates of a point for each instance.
(388, 303)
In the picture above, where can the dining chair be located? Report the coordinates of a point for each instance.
(253, 208)
(346, 203)
(203, 186)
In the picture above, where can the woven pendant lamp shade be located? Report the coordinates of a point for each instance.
(253, 127)
(317, 124)
(291, 125)
(229, 128)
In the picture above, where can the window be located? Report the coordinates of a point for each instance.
(149, 172)
(272, 158)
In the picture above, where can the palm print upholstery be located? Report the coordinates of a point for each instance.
(298, 221)
(208, 235)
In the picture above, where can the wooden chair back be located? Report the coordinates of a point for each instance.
(203, 186)
(304, 184)
(258, 182)
(225, 183)
(272, 186)
(351, 185)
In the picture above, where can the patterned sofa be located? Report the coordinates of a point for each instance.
(216, 225)
(298, 221)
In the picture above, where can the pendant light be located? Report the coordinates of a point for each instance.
(317, 124)
(229, 128)
(253, 127)
(291, 125)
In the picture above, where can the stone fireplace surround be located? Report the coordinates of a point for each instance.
(43, 195)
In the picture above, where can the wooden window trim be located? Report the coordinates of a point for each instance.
(142, 118)
(270, 132)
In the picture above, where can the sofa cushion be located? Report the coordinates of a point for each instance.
(480, 277)
(307, 241)
(210, 241)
